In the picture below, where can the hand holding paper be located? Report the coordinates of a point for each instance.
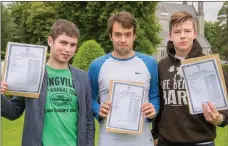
(104, 109)
(148, 110)
(4, 87)
(211, 114)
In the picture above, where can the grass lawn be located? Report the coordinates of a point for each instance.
(12, 132)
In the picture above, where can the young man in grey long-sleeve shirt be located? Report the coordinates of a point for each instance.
(45, 124)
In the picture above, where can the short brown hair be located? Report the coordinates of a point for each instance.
(62, 26)
(126, 19)
(179, 18)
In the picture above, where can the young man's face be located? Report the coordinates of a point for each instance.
(62, 48)
(122, 39)
(182, 36)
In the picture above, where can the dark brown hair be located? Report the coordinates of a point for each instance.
(179, 18)
(126, 19)
(62, 26)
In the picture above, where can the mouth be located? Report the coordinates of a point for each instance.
(183, 43)
(123, 46)
(65, 55)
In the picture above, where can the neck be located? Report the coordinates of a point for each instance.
(56, 65)
(119, 56)
(182, 53)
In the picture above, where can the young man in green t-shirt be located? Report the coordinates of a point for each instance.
(62, 115)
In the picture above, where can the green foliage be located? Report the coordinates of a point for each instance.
(33, 20)
(91, 18)
(216, 33)
(7, 28)
(222, 39)
(210, 30)
(87, 52)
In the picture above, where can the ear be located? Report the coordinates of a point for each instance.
(170, 37)
(134, 37)
(50, 41)
(195, 34)
(110, 36)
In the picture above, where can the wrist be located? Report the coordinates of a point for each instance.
(221, 119)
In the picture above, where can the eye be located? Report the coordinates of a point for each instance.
(63, 43)
(128, 35)
(73, 45)
(117, 34)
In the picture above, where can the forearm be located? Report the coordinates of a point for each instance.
(96, 109)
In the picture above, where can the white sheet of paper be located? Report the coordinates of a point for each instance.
(126, 106)
(203, 85)
(25, 67)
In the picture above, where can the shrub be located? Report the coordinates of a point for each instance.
(87, 52)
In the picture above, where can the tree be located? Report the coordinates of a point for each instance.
(88, 51)
(33, 20)
(210, 30)
(91, 18)
(211, 34)
(7, 28)
(223, 30)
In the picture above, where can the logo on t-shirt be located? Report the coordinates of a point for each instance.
(137, 73)
(60, 99)
(174, 90)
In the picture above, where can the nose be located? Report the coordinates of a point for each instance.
(67, 48)
(123, 40)
(182, 34)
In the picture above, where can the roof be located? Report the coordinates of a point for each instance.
(165, 10)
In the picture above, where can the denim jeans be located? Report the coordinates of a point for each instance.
(210, 144)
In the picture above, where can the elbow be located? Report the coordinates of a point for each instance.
(10, 117)
(13, 118)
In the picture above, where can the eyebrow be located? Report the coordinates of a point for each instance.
(68, 42)
(182, 29)
(122, 33)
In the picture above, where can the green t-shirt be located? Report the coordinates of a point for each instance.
(61, 110)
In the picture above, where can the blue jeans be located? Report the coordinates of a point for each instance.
(211, 144)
